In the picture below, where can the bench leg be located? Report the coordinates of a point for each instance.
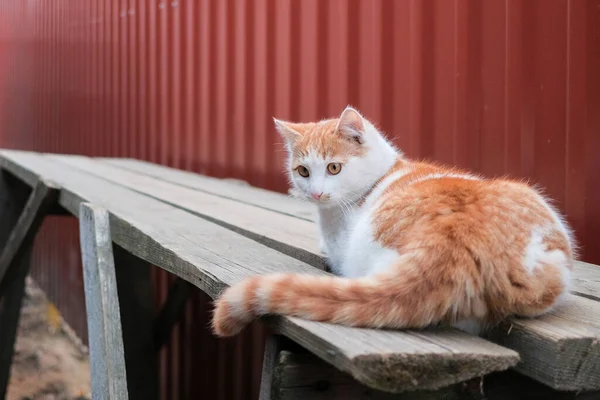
(19, 223)
(291, 373)
(119, 308)
(179, 293)
(43, 198)
(269, 384)
(10, 311)
(136, 300)
(107, 359)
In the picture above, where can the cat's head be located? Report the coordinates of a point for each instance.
(335, 161)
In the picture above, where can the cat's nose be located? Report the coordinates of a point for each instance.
(316, 196)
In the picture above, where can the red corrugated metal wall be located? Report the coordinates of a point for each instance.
(499, 86)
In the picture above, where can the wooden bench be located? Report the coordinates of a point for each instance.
(212, 233)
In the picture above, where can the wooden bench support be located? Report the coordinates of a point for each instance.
(179, 293)
(42, 199)
(10, 311)
(109, 378)
(19, 223)
(136, 302)
(292, 373)
(59, 211)
(119, 309)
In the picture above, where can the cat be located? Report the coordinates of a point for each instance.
(414, 244)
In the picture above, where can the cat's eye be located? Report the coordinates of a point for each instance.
(303, 171)
(334, 168)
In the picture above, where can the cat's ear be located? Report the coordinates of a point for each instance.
(351, 125)
(288, 130)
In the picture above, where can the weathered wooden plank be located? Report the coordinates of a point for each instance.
(287, 234)
(41, 200)
(225, 188)
(212, 257)
(291, 373)
(107, 361)
(298, 375)
(572, 326)
(586, 276)
(134, 285)
(179, 293)
(586, 280)
(561, 350)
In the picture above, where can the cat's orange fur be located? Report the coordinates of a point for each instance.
(462, 244)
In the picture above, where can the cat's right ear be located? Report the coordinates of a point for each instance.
(287, 130)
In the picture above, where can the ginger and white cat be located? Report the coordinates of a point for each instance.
(414, 244)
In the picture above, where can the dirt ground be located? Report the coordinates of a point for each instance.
(48, 363)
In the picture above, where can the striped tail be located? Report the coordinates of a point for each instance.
(391, 301)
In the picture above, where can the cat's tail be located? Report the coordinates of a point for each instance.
(391, 300)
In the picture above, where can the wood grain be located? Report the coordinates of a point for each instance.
(225, 188)
(290, 235)
(292, 373)
(586, 280)
(105, 337)
(212, 257)
(572, 324)
(561, 350)
(586, 276)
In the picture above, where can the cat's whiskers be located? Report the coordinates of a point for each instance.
(345, 206)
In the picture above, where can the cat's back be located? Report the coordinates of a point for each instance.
(426, 190)
(437, 203)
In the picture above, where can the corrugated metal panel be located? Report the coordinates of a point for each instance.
(501, 86)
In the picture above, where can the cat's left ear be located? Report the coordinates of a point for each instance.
(351, 125)
(288, 130)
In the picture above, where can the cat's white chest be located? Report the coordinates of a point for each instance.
(350, 247)
(364, 255)
(335, 228)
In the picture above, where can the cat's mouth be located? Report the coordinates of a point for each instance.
(323, 199)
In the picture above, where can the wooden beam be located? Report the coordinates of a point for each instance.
(269, 380)
(19, 222)
(512, 385)
(41, 200)
(59, 211)
(136, 303)
(107, 361)
(292, 373)
(10, 311)
(179, 293)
